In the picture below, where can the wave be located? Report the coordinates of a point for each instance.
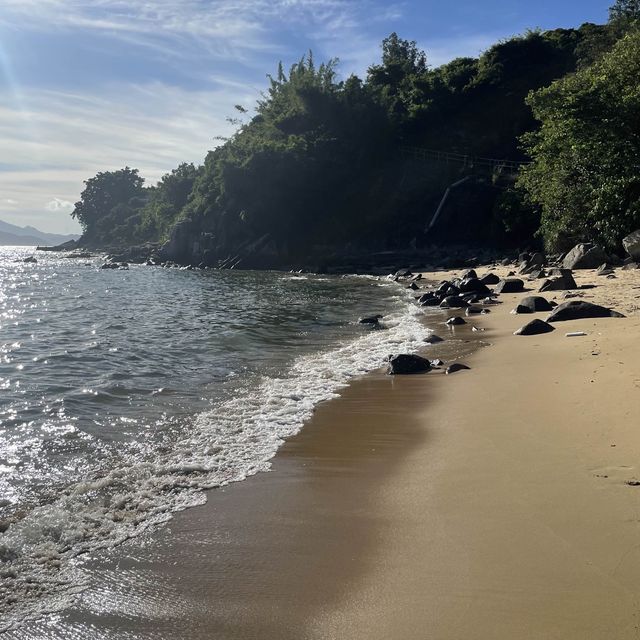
(237, 438)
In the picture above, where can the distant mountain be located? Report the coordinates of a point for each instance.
(12, 235)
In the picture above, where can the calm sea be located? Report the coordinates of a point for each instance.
(124, 394)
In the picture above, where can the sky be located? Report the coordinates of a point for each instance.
(96, 85)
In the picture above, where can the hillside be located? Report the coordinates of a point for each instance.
(328, 166)
(13, 235)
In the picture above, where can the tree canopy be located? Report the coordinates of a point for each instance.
(586, 170)
(320, 162)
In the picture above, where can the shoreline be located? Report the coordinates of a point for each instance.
(465, 506)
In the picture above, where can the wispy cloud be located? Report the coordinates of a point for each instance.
(151, 127)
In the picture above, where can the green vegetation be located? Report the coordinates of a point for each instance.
(586, 170)
(323, 162)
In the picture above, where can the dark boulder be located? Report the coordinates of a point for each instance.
(413, 286)
(467, 275)
(511, 285)
(110, 265)
(534, 328)
(453, 302)
(630, 266)
(428, 296)
(447, 288)
(371, 320)
(403, 273)
(585, 256)
(431, 302)
(534, 304)
(631, 244)
(563, 282)
(473, 311)
(433, 339)
(456, 321)
(490, 279)
(473, 285)
(406, 364)
(456, 366)
(579, 309)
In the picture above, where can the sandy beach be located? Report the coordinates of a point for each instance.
(492, 503)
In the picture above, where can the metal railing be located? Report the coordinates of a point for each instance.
(470, 162)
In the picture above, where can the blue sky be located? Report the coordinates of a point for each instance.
(91, 85)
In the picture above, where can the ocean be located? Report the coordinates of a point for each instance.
(124, 394)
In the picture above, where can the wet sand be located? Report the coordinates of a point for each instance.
(489, 504)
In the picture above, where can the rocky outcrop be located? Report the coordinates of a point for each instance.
(585, 256)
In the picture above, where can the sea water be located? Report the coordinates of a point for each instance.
(126, 393)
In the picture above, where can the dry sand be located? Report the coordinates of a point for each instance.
(491, 504)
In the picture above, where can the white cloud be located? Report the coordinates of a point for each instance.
(56, 140)
(58, 204)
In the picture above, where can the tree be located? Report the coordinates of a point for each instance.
(108, 195)
(403, 64)
(585, 172)
(625, 10)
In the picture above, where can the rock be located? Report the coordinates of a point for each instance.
(631, 244)
(511, 285)
(474, 311)
(413, 286)
(534, 304)
(579, 309)
(456, 366)
(584, 256)
(534, 263)
(447, 288)
(534, 328)
(431, 302)
(473, 285)
(630, 266)
(468, 275)
(433, 339)
(604, 270)
(506, 262)
(489, 279)
(110, 265)
(455, 321)
(437, 363)
(403, 273)
(427, 296)
(405, 364)
(30, 260)
(563, 282)
(453, 302)
(524, 257)
(371, 320)
(417, 277)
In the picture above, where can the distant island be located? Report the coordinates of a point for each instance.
(13, 235)
(532, 145)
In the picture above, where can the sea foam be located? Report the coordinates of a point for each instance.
(235, 439)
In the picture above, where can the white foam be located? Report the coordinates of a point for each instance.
(234, 440)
